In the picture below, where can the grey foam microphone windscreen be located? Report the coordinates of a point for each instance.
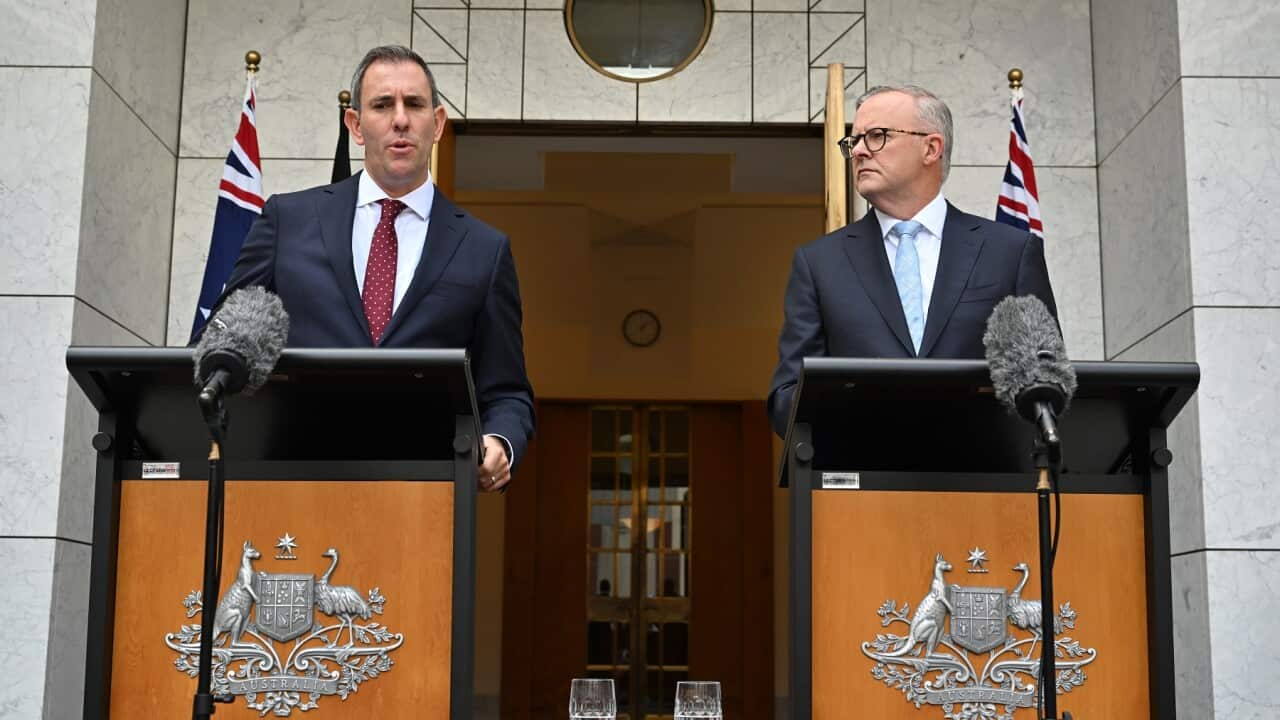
(1024, 348)
(251, 325)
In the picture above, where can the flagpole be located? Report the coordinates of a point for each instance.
(342, 151)
(215, 416)
(1047, 482)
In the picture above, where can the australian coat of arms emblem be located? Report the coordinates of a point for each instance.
(329, 646)
(962, 651)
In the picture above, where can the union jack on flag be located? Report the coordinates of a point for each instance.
(239, 204)
(1019, 202)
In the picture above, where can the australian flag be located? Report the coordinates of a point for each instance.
(1019, 201)
(239, 204)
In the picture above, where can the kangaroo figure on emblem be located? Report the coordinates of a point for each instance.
(232, 616)
(926, 624)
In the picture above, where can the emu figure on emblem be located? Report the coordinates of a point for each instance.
(926, 624)
(232, 616)
(340, 601)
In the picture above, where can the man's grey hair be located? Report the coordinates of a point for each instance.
(393, 54)
(930, 111)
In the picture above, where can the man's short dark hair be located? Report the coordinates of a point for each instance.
(395, 54)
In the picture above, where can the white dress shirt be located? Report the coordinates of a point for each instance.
(411, 238)
(411, 231)
(928, 243)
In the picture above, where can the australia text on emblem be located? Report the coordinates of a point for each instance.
(329, 647)
(960, 652)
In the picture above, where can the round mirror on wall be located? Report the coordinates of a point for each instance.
(638, 40)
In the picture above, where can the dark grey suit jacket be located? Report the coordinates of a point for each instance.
(841, 299)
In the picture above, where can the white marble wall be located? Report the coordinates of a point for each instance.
(126, 219)
(1232, 140)
(45, 55)
(963, 51)
(1135, 63)
(1244, 599)
(87, 221)
(1142, 198)
(1187, 135)
(309, 51)
(506, 60)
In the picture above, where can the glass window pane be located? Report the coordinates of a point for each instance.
(677, 472)
(624, 473)
(677, 431)
(675, 533)
(653, 689)
(653, 527)
(622, 588)
(602, 430)
(652, 636)
(602, 526)
(655, 475)
(669, 680)
(600, 569)
(675, 567)
(675, 644)
(623, 640)
(624, 527)
(651, 574)
(625, 431)
(655, 432)
(601, 475)
(599, 643)
(676, 494)
(622, 689)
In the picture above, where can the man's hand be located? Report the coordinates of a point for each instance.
(495, 472)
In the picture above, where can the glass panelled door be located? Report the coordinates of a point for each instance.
(639, 578)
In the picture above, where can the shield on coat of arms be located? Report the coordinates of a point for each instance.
(286, 604)
(978, 615)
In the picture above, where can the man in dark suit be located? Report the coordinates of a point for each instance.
(915, 277)
(382, 259)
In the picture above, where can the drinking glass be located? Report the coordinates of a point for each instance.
(592, 698)
(698, 700)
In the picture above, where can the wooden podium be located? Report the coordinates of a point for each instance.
(349, 540)
(913, 524)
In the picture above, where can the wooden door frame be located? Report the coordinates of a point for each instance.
(543, 602)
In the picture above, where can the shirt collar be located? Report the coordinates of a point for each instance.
(419, 200)
(932, 216)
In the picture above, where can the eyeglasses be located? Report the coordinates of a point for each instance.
(875, 138)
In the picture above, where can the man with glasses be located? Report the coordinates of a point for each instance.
(915, 277)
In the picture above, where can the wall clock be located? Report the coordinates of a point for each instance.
(641, 328)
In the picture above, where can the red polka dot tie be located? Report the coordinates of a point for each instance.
(380, 271)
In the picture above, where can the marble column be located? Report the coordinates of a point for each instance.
(86, 203)
(1188, 116)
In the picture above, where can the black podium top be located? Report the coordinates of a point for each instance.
(320, 404)
(926, 415)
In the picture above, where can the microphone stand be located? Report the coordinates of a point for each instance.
(215, 417)
(1047, 454)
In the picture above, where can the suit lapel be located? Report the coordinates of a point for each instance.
(865, 248)
(960, 247)
(336, 207)
(444, 235)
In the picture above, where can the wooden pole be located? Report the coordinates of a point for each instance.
(833, 162)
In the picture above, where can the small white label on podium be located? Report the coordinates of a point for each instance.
(841, 480)
(161, 470)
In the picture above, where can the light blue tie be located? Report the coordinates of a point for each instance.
(906, 274)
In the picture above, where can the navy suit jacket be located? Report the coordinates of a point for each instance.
(464, 293)
(842, 300)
